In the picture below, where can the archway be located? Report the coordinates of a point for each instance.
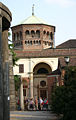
(40, 84)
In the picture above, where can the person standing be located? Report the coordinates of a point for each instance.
(41, 103)
(31, 104)
(36, 104)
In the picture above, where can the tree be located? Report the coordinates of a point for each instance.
(14, 60)
(64, 97)
(17, 82)
(11, 48)
(70, 103)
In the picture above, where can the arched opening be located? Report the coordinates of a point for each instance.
(42, 71)
(27, 33)
(17, 36)
(51, 35)
(20, 35)
(47, 32)
(44, 32)
(42, 67)
(36, 42)
(40, 84)
(38, 33)
(30, 42)
(39, 42)
(33, 33)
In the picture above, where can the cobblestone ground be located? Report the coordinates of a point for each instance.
(32, 115)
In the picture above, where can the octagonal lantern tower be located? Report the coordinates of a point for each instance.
(33, 33)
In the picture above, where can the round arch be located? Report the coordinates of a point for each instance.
(42, 68)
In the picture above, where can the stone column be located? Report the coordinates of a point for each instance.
(12, 84)
(21, 97)
(1, 70)
(31, 85)
(30, 79)
(5, 18)
(5, 63)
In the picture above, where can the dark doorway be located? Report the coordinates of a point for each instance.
(43, 94)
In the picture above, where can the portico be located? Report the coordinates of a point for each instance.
(34, 77)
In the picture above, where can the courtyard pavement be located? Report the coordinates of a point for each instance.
(32, 115)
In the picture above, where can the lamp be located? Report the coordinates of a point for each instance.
(67, 59)
(67, 62)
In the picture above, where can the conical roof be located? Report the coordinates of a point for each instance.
(33, 20)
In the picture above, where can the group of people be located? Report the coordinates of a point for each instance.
(37, 104)
(42, 104)
(34, 104)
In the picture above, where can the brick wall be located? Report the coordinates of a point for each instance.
(45, 40)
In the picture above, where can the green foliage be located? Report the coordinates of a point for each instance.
(15, 59)
(64, 97)
(58, 100)
(11, 47)
(17, 82)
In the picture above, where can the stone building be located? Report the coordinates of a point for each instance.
(11, 84)
(34, 44)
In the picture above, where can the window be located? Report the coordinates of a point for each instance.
(38, 34)
(39, 42)
(51, 35)
(34, 42)
(47, 33)
(42, 71)
(24, 92)
(21, 68)
(33, 33)
(20, 35)
(17, 36)
(43, 83)
(44, 32)
(27, 32)
(30, 42)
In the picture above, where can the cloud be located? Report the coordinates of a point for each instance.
(64, 3)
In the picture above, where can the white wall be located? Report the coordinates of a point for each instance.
(29, 64)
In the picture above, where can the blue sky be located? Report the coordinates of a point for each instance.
(60, 13)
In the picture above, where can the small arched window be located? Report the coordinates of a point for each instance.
(30, 42)
(34, 41)
(33, 33)
(39, 42)
(47, 32)
(25, 42)
(51, 35)
(17, 36)
(44, 32)
(27, 32)
(38, 33)
(20, 35)
(43, 83)
(45, 43)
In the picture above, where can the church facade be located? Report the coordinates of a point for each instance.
(34, 44)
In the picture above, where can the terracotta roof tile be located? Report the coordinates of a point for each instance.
(68, 44)
(46, 53)
(60, 53)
